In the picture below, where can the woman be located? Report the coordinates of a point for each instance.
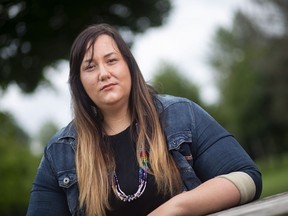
(129, 151)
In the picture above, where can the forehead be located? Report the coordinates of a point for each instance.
(101, 46)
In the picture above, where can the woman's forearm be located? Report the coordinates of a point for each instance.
(211, 196)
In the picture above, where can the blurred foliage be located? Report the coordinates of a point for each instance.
(35, 34)
(17, 167)
(274, 174)
(251, 59)
(169, 80)
(45, 133)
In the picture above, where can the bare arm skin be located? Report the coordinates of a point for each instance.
(211, 196)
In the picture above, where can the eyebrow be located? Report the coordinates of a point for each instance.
(105, 56)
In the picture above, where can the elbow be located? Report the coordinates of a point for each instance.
(248, 183)
(257, 178)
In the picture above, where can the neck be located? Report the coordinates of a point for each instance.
(116, 122)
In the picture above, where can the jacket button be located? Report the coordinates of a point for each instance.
(66, 180)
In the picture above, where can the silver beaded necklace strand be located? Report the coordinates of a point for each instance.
(142, 181)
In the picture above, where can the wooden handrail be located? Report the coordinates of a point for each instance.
(268, 206)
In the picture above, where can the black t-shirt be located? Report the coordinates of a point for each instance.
(127, 173)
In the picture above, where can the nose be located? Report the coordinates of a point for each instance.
(103, 73)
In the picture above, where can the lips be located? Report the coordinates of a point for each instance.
(107, 86)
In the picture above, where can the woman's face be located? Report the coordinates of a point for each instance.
(105, 75)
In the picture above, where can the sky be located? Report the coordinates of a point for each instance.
(184, 40)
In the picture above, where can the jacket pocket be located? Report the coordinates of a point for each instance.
(184, 160)
(186, 152)
(67, 180)
(175, 140)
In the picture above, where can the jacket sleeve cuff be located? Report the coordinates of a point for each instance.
(244, 184)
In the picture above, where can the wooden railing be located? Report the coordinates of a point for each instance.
(269, 206)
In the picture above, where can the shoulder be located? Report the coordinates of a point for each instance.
(62, 136)
(180, 115)
(164, 102)
(60, 149)
(180, 106)
(177, 117)
(63, 141)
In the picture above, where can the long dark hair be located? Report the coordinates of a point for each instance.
(94, 161)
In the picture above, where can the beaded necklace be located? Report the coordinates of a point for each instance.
(142, 180)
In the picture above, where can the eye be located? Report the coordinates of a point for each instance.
(112, 61)
(89, 67)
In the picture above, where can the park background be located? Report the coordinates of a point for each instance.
(231, 57)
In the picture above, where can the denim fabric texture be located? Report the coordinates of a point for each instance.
(201, 147)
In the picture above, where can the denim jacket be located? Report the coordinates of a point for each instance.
(201, 148)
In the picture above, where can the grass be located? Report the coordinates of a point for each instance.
(275, 175)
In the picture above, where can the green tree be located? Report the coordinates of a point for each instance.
(251, 61)
(17, 167)
(35, 34)
(169, 80)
